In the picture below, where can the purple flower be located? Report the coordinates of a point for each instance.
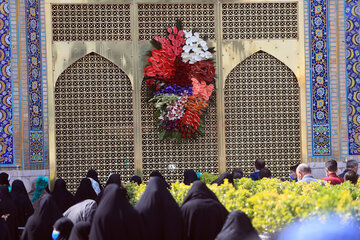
(175, 89)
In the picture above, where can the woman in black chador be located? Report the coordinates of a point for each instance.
(238, 226)
(225, 175)
(62, 228)
(189, 177)
(40, 225)
(115, 218)
(80, 231)
(22, 201)
(113, 179)
(63, 198)
(85, 191)
(160, 213)
(8, 208)
(202, 212)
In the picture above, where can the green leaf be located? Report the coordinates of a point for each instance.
(162, 134)
(157, 114)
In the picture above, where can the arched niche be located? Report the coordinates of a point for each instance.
(262, 115)
(93, 120)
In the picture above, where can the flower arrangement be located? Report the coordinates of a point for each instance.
(181, 75)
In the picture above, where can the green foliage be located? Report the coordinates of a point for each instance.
(208, 177)
(271, 203)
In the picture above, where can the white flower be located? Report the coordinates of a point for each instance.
(208, 55)
(187, 48)
(196, 50)
(187, 34)
(203, 43)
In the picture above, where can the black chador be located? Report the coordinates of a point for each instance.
(40, 225)
(85, 191)
(8, 208)
(238, 227)
(203, 213)
(63, 198)
(115, 218)
(160, 212)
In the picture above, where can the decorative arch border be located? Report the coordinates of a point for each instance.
(352, 42)
(319, 77)
(73, 51)
(6, 105)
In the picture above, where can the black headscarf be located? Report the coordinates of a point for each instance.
(158, 174)
(202, 212)
(189, 177)
(113, 179)
(7, 206)
(94, 175)
(115, 218)
(237, 173)
(22, 201)
(63, 198)
(64, 226)
(238, 226)
(136, 179)
(4, 179)
(199, 190)
(85, 191)
(160, 213)
(226, 175)
(80, 231)
(40, 225)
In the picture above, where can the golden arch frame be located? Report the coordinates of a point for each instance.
(128, 55)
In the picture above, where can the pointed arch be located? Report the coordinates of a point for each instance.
(262, 115)
(93, 120)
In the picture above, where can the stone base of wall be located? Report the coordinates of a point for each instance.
(318, 169)
(28, 177)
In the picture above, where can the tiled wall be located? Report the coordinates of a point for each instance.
(332, 76)
(28, 85)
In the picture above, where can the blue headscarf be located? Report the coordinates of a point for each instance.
(41, 184)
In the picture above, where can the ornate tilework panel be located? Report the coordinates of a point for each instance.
(320, 99)
(34, 77)
(6, 127)
(352, 13)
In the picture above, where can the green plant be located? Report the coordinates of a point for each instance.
(270, 203)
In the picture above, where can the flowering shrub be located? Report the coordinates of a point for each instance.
(181, 75)
(272, 204)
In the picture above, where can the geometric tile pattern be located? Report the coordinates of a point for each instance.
(36, 124)
(320, 94)
(352, 38)
(6, 123)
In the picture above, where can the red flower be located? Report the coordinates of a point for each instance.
(181, 76)
(203, 71)
(191, 119)
(161, 65)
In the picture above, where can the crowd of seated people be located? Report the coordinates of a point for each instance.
(96, 212)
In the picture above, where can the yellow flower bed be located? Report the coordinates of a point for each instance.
(271, 203)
